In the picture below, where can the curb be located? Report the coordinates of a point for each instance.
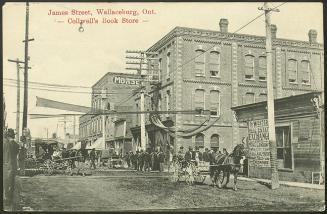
(286, 183)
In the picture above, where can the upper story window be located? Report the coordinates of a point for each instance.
(214, 63)
(159, 68)
(199, 62)
(159, 102)
(199, 100)
(248, 98)
(168, 65)
(168, 101)
(249, 67)
(214, 103)
(262, 68)
(199, 140)
(292, 70)
(305, 71)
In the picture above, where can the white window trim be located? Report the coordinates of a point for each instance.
(219, 64)
(253, 70)
(309, 72)
(219, 104)
(297, 71)
(204, 62)
(204, 101)
(168, 68)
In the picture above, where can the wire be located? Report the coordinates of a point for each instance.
(63, 91)
(203, 52)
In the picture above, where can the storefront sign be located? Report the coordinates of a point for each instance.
(258, 143)
(125, 80)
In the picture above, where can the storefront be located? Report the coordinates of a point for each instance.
(299, 125)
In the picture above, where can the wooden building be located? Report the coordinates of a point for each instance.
(300, 137)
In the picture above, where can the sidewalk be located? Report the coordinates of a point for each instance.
(286, 183)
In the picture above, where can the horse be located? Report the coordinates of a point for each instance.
(228, 164)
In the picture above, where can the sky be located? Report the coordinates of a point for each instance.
(60, 54)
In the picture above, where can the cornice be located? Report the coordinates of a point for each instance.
(206, 82)
(252, 85)
(298, 89)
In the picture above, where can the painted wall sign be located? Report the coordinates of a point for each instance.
(258, 142)
(125, 80)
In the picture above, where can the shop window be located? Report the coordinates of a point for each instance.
(248, 98)
(199, 140)
(214, 64)
(199, 63)
(214, 103)
(249, 67)
(284, 149)
(305, 71)
(292, 70)
(168, 65)
(199, 101)
(214, 141)
(262, 68)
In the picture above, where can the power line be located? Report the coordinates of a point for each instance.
(232, 33)
(65, 91)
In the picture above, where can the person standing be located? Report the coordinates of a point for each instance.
(188, 155)
(92, 158)
(170, 159)
(206, 155)
(10, 152)
(22, 155)
(153, 154)
(161, 159)
(141, 160)
(147, 160)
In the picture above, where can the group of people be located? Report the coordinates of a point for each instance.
(146, 160)
(196, 155)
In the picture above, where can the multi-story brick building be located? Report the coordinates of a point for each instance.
(111, 93)
(216, 70)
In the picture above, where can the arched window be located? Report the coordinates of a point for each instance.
(249, 67)
(199, 140)
(214, 141)
(305, 71)
(292, 70)
(262, 68)
(199, 62)
(214, 63)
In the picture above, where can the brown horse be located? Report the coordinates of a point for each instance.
(228, 164)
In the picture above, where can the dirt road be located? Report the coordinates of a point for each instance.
(111, 193)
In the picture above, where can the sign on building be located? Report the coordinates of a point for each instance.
(125, 80)
(258, 143)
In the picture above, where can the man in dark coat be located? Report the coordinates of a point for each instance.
(188, 155)
(10, 152)
(206, 155)
(92, 158)
(147, 160)
(161, 158)
(141, 160)
(22, 155)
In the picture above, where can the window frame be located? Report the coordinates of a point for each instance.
(260, 68)
(168, 65)
(308, 71)
(196, 141)
(199, 89)
(245, 97)
(217, 138)
(290, 126)
(219, 104)
(197, 62)
(211, 63)
(296, 71)
(245, 66)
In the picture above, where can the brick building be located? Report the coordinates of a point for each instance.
(111, 93)
(216, 70)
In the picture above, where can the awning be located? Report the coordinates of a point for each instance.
(77, 146)
(99, 144)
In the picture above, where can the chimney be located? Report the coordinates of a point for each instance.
(223, 24)
(312, 36)
(273, 30)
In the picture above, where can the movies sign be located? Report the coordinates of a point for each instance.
(258, 142)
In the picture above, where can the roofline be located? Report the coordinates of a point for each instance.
(175, 31)
(275, 100)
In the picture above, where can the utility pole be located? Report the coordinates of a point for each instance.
(270, 100)
(143, 62)
(17, 61)
(26, 58)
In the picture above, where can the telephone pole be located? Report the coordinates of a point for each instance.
(17, 61)
(26, 58)
(270, 100)
(143, 62)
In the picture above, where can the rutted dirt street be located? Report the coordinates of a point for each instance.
(149, 191)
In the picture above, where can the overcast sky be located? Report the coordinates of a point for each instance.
(61, 54)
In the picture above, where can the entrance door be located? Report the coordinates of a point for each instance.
(284, 148)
